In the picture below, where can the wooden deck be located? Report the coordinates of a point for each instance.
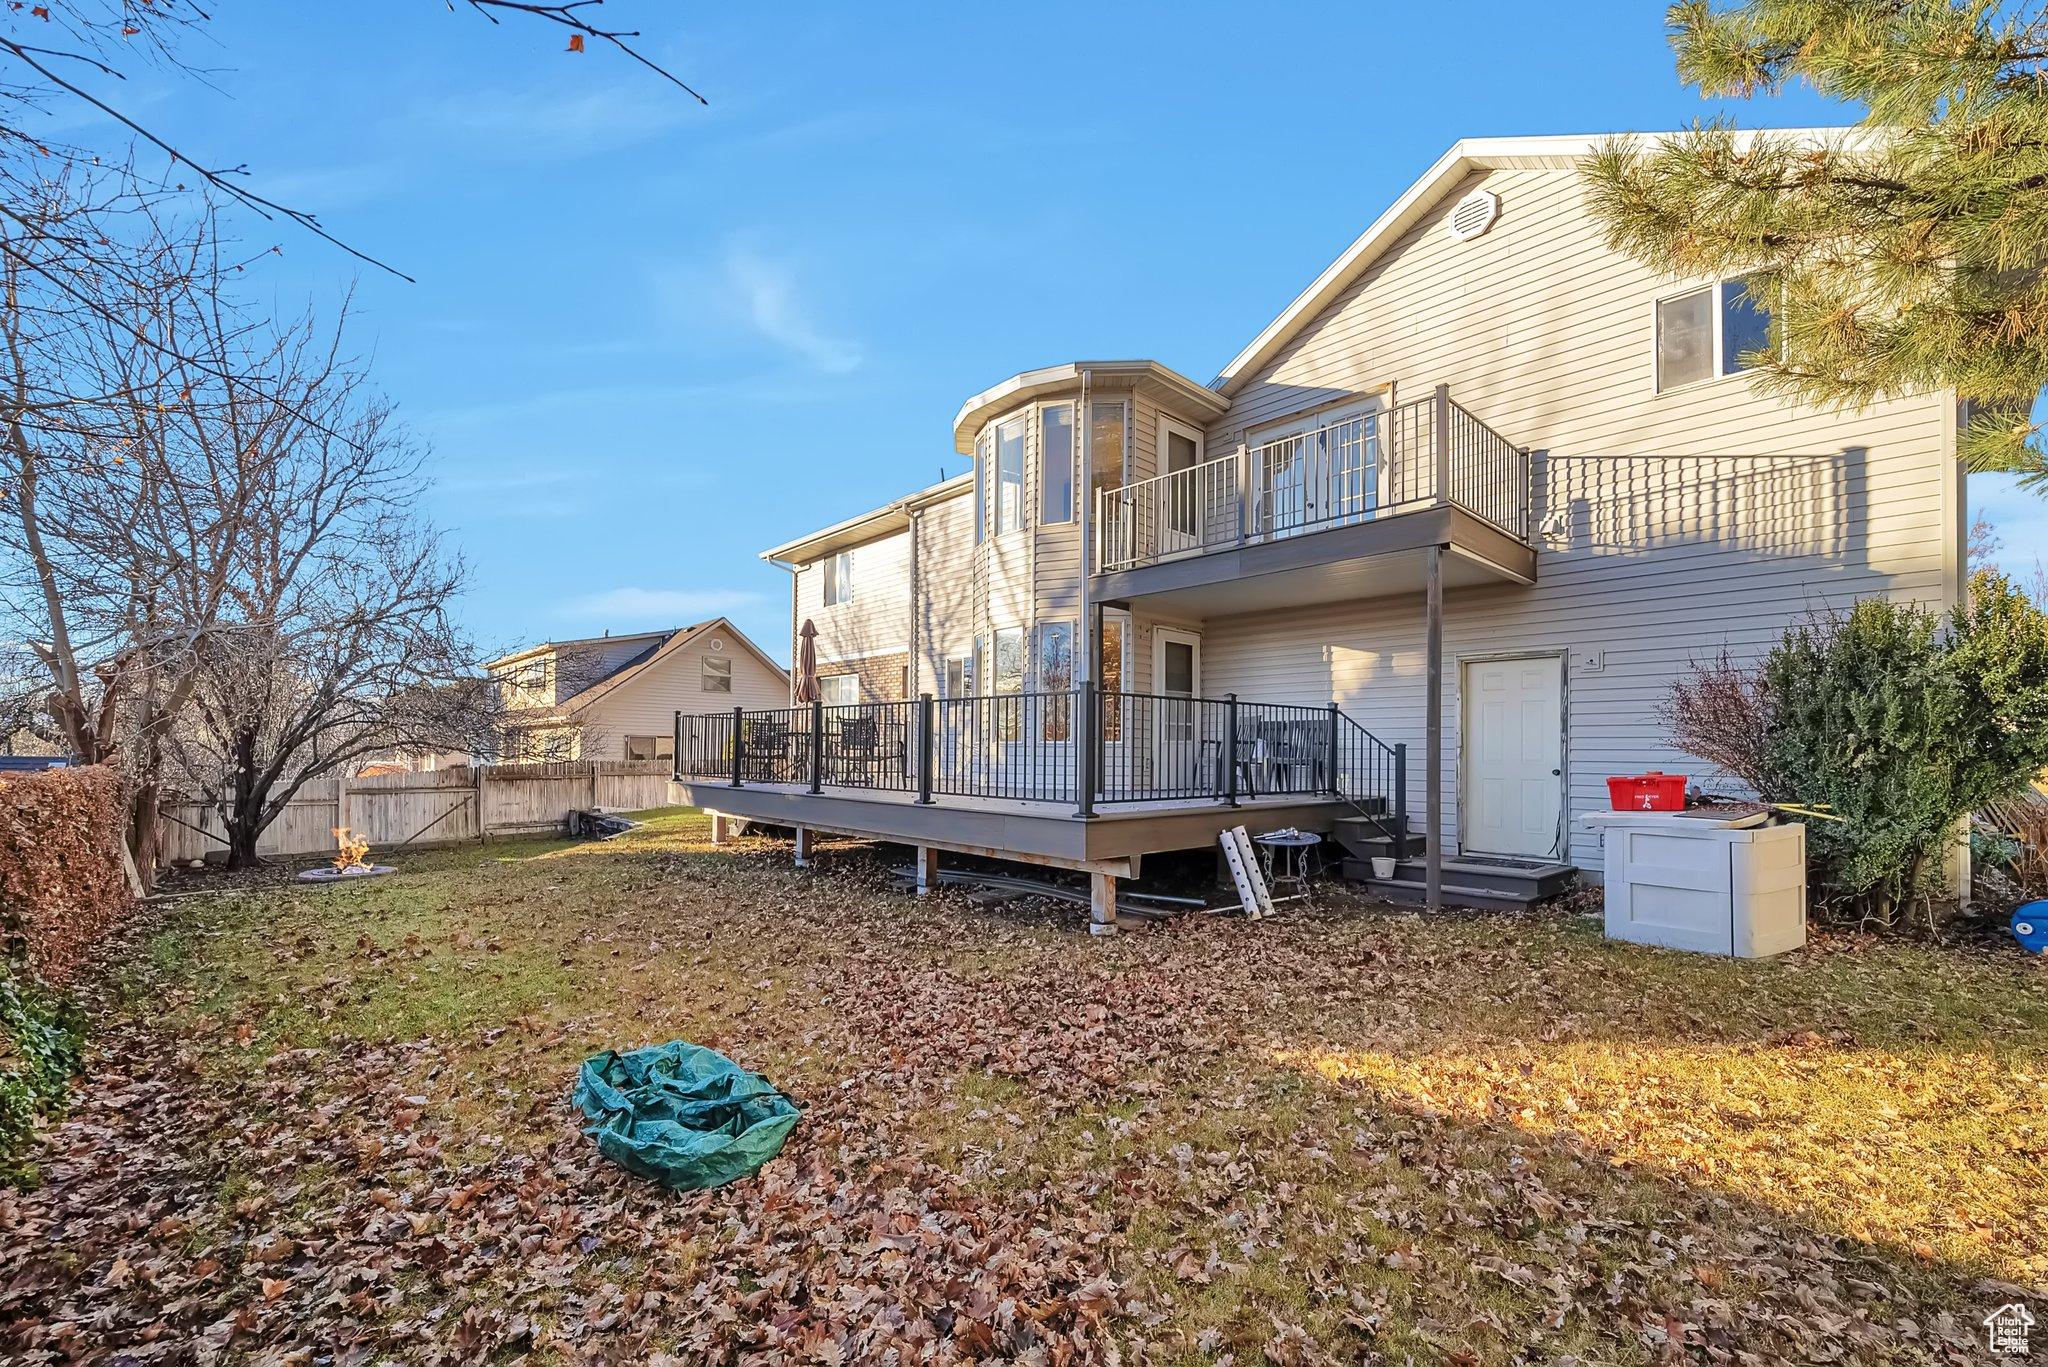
(1112, 842)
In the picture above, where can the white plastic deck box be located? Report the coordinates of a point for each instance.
(1719, 884)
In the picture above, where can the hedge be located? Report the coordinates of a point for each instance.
(62, 883)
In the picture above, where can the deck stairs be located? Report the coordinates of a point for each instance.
(1485, 881)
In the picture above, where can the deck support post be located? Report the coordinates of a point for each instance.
(1335, 788)
(927, 870)
(1230, 749)
(1088, 749)
(817, 746)
(721, 828)
(1102, 904)
(1400, 831)
(804, 841)
(1433, 748)
(927, 745)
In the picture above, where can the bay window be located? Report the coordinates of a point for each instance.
(1056, 463)
(1010, 475)
(1056, 676)
(1105, 446)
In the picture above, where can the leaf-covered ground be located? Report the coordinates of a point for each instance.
(330, 1126)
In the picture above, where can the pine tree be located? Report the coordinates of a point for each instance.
(1904, 255)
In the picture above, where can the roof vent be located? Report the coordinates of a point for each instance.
(717, 644)
(1474, 214)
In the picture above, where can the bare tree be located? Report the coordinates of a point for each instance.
(350, 649)
(172, 474)
(72, 56)
(1721, 712)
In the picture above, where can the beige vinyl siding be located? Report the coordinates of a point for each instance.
(877, 620)
(646, 704)
(946, 571)
(1680, 523)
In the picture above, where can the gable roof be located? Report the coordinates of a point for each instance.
(887, 520)
(653, 657)
(653, 639)
(1465, 157)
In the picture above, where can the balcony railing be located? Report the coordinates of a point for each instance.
(1350, 470)
(1079, 747)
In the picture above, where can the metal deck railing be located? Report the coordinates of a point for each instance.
(1353, 469)
(1082, 747)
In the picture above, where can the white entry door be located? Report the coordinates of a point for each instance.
(1176, 682)
(1512, 798)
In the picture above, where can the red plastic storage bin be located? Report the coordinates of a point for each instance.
(1651, 792)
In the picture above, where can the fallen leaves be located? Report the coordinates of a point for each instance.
(338, 1134)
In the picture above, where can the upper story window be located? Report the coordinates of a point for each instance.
(717, 674)
(839, 579)
(532, 674)
(980, 488)
(1706, 332)
(1105, 446)
(1056, 463)
(1010, 475)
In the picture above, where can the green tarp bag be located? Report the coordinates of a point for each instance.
(682, 1115)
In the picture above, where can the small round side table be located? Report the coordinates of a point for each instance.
(1286, 861)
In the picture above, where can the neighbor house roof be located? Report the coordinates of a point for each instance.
(650, 659)
(661, 646)
(1465, 157)
(653, 638)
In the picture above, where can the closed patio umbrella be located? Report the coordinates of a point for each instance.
(807, 689)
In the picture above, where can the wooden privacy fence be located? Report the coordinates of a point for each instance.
(442, 807)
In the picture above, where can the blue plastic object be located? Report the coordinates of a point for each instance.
(2030, 927)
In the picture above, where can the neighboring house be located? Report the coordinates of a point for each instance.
(1447, 529)
(408, 760)
(615, 697)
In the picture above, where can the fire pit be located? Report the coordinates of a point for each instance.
(348, 861)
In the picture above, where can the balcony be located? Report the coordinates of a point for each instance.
(1315, 505)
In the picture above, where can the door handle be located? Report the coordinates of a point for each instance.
(1557, 773)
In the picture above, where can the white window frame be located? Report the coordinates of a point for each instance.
(838, 572)
(658, 747)
(1169, 424)
(1124, 467)
(1038, 634)
(829, 684)
(1025, 418)
(1716, 326)
(1073, 408)
(962, 665)
(981, 503)
(706, 674)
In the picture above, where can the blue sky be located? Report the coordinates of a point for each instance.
(650, 338)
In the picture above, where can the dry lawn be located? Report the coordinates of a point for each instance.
(330, 1126)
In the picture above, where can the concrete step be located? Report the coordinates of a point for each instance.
(1531, 884)
(1365, 839)
(1409, 892)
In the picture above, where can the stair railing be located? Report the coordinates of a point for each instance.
(1371, 776)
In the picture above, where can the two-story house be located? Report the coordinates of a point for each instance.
(1416, 568)
(615, 697)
